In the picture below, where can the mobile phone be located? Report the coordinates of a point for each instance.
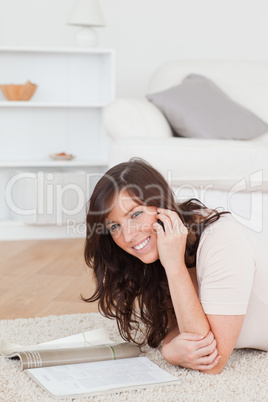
(161, 223)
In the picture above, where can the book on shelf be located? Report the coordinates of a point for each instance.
(86, 364)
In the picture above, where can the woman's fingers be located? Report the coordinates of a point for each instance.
(183, 350)
(168, 212)
(172, 220)
(173, 215)
(210, 366)
(208, 359)
(206, 341)
(166, 221)
(171, 226)
(159, 229)
(208, 349)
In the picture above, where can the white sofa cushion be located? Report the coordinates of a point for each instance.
(135, 118)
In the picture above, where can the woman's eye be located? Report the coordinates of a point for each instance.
(136, 214)
(114, 227)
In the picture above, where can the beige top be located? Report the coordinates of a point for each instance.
(232, 275)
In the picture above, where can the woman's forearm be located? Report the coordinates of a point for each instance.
(171, 244)
(188, 310)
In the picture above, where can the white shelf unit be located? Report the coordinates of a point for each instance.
(64, 115)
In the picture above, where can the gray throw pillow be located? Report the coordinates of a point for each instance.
(197, 108)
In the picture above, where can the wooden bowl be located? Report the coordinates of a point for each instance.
(15, 92)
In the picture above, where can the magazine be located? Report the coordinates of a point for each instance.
(86, 364)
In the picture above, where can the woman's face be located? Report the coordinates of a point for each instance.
(131, 227)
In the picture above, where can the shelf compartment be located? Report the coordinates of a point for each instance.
(65, 77)
(33, 134)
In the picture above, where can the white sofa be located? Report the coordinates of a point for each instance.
(138, 128)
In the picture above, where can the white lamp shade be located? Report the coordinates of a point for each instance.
(87, 12)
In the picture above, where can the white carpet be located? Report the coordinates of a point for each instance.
(245, 377)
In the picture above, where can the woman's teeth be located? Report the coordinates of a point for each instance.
(143, 244)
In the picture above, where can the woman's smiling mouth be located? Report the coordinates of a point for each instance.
(142, 245)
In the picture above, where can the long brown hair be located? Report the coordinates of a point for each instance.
(126, 288)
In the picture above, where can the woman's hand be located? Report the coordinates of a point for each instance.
(188, 350)
(171, 242)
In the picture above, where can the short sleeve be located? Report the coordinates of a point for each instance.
(225, 268)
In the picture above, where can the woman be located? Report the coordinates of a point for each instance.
(192, 276)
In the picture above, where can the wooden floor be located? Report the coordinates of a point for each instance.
(43, 277)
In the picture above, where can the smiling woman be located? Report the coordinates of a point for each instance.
(131, 227)
(188, 273)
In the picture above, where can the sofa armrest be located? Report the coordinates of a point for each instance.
(134, 118)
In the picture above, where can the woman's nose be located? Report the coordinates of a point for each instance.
(129, 231)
